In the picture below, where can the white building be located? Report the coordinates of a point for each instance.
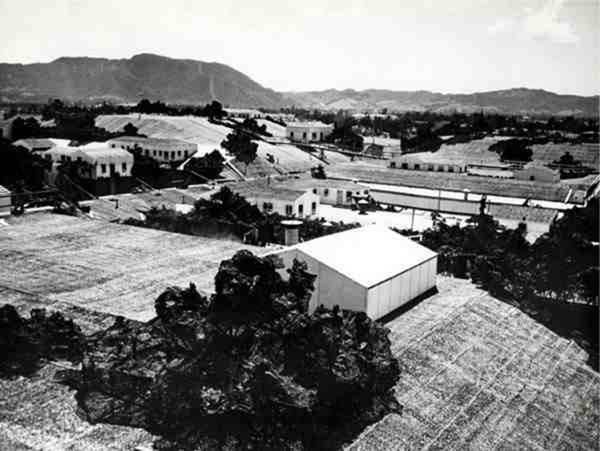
(536, 172)
(330, 191)
(427, 162)
(104, 160)
(162, 150)
(245, 113)
(308, 131)
(370, 269)
(290, 203)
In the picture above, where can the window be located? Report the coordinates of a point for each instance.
(185, 154)
(179, 153)
(314, 135)
(417, 167)
(124, 167)
(300, 210)
(103, 168)
(291, 134)
(532, 178)
(326, 192)
(314, 190)
(440, 168)
(313, 208)
(267, 206)
(404, 165)
(450, 168)
(303, 135)
(289, 210)
(147, 152)
(321, 136)
(393, 165)
(154, 153)
(348, 195)
(431, 167)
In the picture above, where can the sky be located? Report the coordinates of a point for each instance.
(450, 46)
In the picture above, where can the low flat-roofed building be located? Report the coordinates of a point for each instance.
(245, 113)
(161, 150)
(330, 191)
(537, 172)
(271, 198)
(308, 131)
(369, 269)
(104, 160)
(35, 144)
(426, 162)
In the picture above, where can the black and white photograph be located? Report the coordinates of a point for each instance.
(341, 225)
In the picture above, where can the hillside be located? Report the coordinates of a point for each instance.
(511, 101)
(129, 80)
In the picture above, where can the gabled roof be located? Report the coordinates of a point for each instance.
(367, 255)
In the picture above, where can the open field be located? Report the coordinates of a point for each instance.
(480, 374)
(452, 182)
(105, 267)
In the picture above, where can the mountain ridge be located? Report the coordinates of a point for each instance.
(189, 81)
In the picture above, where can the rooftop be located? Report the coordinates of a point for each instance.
(34, 143)
(477, 373)
(368, 255)
(105, 267)
(309, 124)
(260, 188)
(150, 141)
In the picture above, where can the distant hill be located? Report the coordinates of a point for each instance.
(511, 101)
(129, 80)
(184, 81)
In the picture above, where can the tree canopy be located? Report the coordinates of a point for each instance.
(248, 369)
(241, 146)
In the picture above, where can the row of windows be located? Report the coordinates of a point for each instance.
(348, 193)
(314, 135)
(168, 154)
(428, 167)
(289, 209)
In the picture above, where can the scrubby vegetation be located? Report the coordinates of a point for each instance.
(248, 369)
(228, 214)
(25, 344)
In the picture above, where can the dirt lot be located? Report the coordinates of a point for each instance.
(479, 374)
(105, 267)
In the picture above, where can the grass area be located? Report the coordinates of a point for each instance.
(480, 374)
(105, 267)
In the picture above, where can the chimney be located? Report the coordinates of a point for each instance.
(291, 227)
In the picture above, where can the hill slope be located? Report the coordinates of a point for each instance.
(129, 80)
(520, 100)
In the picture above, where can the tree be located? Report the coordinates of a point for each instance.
(209, 166)
(214, 110)
(25, 128)
(241, 147)
(130, 130)
(318, 172)
(513, 149)
(248, 369)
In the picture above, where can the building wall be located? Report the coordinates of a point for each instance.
(160, 152)
(5, 202)
(458, 206)
(397, 291)
(433, 167)
(339, 196)
(331, 287)
(280, 206)
(103, 166)
(307, 134)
